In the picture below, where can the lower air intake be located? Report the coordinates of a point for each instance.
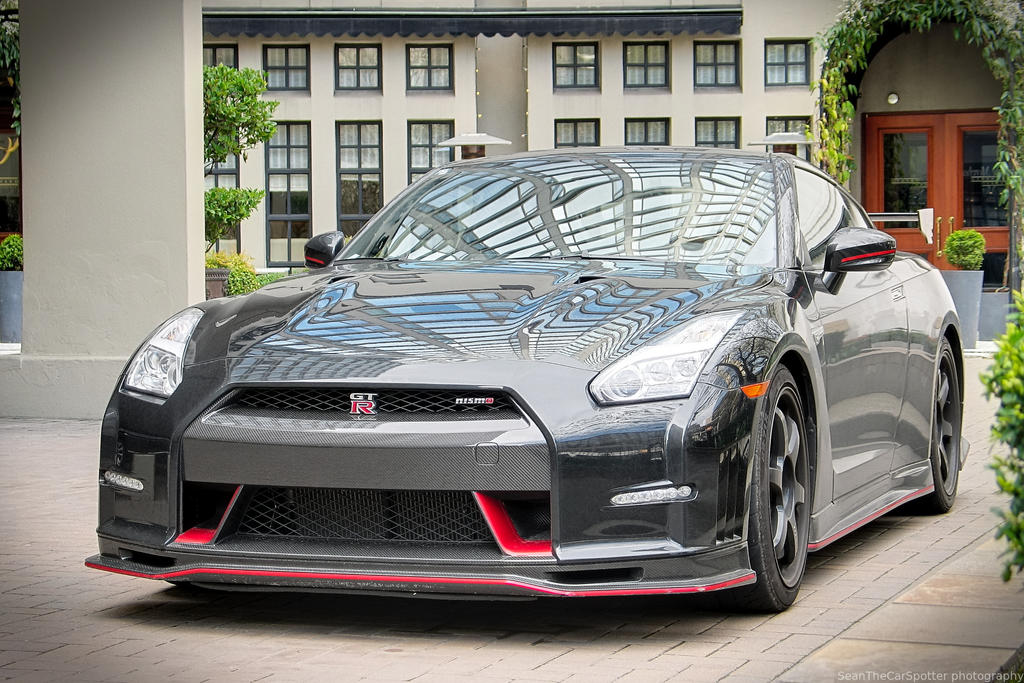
(365, 515)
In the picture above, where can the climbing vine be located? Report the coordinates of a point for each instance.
(995, 26)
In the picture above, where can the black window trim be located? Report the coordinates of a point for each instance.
(575, 132)
(575, 64)
(408, 145)
(717, 120)
(359, 171)
(667, 85)
(451, 68)
(216, 172)
(287, 66)
(220, 46)
(647, 121)
(358, 69)
(737, 85)
(290, 217)
(786, 63)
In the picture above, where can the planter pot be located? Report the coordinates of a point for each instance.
(216, 281)
(995, 307)
(10, 306)
(965, 288)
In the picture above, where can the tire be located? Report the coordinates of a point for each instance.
(947, 423)
(780, 500)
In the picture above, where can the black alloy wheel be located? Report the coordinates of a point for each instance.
(780, 499)
(947, 422)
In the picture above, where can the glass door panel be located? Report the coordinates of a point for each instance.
(905, 171)
(981, 188)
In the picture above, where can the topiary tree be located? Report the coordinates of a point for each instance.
(235, 119)
(1005, 381)
(12, 253)
(965, 249)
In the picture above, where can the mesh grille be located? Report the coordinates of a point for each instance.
(365, 515)
(388, 401)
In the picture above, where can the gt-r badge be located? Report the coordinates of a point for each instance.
(363, 404)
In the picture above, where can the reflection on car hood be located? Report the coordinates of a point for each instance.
(581, 313)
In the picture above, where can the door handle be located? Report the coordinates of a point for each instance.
(938, 237)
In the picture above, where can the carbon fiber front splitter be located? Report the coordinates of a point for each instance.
(497, 581)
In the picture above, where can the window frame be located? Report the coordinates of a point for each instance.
(647, 121)
(786, 63)
(715, 64)
(647, 64)
(804, 151)
(220, 46)
(575, 66)
(576, 132)
(358, 68)
(287, 68)
(217, 172)
(410, 169)
(307, 171)
(717, 120)
(359, 171)
(429, 67)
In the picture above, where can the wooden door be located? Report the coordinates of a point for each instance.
(943, 161)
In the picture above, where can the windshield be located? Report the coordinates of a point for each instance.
(691, 207)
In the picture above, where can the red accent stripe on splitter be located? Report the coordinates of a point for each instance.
(441, 580)
(200, 535)
(870, 518)
(871, 255)
(509, 540)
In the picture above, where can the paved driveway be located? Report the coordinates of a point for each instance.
(902, 594)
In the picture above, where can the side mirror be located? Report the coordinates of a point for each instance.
(858, 249)
(321, 249)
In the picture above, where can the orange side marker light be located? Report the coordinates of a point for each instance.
(755, 390)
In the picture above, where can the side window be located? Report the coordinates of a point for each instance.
(822, 210)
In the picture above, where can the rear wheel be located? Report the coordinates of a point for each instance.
(780, 499)
(947, 422)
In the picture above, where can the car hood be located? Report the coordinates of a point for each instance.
(580, 313)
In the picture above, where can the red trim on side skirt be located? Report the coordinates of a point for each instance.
(449, 580)
(873, 516)
(509, 540)
(872, 254)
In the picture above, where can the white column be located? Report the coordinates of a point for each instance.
(113, 192)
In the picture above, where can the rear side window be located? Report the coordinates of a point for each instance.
(822, 210)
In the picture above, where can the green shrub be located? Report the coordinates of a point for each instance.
(12, 253)
(225, 208)
(266, 278)
(965, 249)
(241, 281)
(220, 259)
(1005, 381)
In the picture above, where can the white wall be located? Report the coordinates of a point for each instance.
(112, 177)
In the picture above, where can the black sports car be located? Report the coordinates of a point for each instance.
(567, 373)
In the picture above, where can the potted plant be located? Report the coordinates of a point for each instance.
(965, 250)
(11, 256)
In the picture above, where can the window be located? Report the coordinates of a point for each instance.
(357, 67)
(718, 133)
(577, 132)
(214, 55)
(428, 67)
(423, 153)
(646, 131)
(716, 65)
(575, 65)
(822, 210)
(790, 124)
(786, 62)
(359, 173)
(287, 67)
(288, 217)
(225, 174)
(645, 65)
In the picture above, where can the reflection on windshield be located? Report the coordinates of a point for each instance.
(694, 207)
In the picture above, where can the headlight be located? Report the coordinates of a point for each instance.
(667, 367)
(157, 367)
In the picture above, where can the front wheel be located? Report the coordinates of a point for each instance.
(780, 499)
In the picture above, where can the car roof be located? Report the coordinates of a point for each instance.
(582, 153)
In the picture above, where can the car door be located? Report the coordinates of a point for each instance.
(861, 319)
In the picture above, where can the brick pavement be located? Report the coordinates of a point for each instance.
(904, 593)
